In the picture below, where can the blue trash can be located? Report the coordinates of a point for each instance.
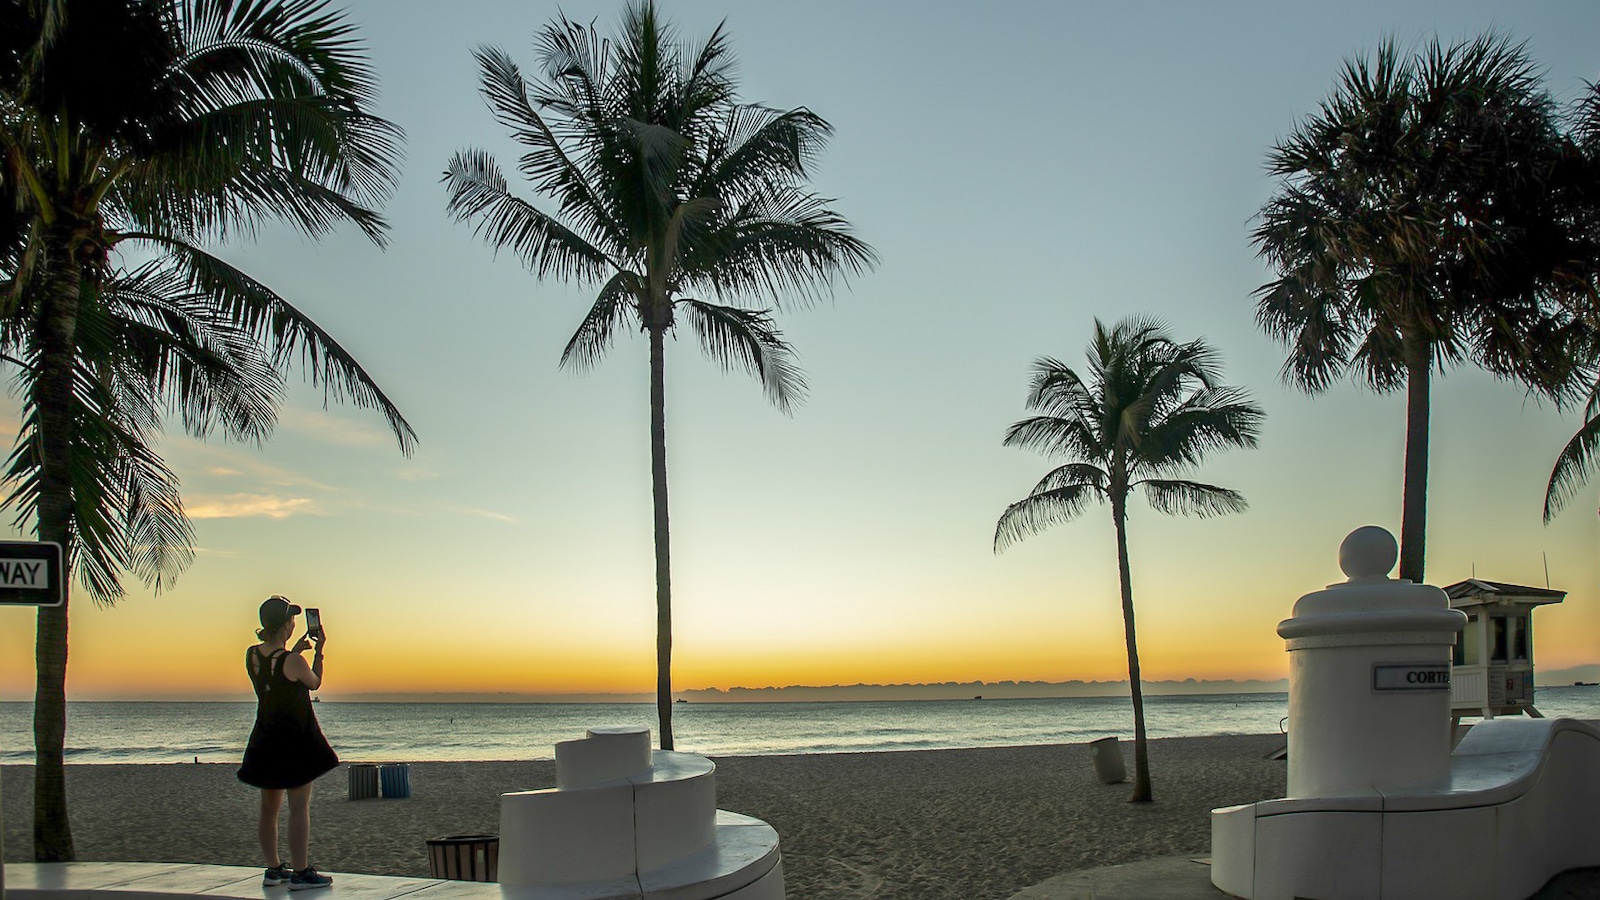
(395, 779)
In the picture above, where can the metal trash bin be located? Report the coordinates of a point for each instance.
(396, 780)
(465, 857)
(363, 782)
(1108, 765)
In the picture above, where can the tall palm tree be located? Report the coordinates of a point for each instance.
(133, 132)
(1149, 411)
(1400, 237)
(1575, 243)
(665, 191)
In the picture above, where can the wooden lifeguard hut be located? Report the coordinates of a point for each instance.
(1492, 670)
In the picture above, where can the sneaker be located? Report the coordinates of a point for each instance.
(275, 876)
(308, 878)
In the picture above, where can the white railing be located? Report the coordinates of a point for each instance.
(1469, 687)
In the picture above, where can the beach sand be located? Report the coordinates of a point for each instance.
(919, 824)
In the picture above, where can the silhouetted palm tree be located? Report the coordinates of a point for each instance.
(1574, 242)
(665, 191)
(149, 128)
(1400, 236)
(1149, 411)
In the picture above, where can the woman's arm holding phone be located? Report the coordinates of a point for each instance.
(295, 668)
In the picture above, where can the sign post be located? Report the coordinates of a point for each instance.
(31, 574)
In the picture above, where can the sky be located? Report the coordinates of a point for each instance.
(1021, 168)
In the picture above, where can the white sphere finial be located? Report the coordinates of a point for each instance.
(1368, 553)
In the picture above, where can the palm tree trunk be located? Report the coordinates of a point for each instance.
(1414, 505)
(1141, 750)
(52, 834)
(658, 485)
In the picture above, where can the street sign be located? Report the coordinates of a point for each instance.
(31, 573)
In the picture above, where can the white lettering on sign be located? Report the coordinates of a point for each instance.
(1413, 677)
(23, 573)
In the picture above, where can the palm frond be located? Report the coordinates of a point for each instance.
(287, 334)
(479, 194)
(1207, 420)
(785, 245)
(615, 306)
(1177, 497)
(177, 347)
(1056, 436)
(546, 163)
(749, 339)
(1038, 511)
(758, 149)
(1576, 461)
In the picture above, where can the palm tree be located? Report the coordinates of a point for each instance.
(1148, 413)
(1401, 235)
(143, 128)
(1575, 242)
(665, 190)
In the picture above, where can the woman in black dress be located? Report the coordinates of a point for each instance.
(287, 750)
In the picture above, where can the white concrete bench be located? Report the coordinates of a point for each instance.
(1520, 805)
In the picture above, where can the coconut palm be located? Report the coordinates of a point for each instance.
(668, 194)
(1149, 411)
(133, 132)
(1400, 234)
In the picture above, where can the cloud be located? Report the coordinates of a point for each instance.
(413, 473)
(249, 506)
(321, 425)
(486, 514)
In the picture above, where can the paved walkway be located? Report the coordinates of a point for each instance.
(179, 881)
(1169, 878)
(1186, 878)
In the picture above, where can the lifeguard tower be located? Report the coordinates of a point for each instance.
(1491, 672)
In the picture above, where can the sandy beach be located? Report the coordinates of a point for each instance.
(923, 824)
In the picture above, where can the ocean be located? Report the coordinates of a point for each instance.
(175, 732)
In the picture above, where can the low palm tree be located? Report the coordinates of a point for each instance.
(1149, 411)
(1409, 233)
(668, 193)
(132, 132)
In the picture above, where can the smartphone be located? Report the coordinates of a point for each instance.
(314, 622)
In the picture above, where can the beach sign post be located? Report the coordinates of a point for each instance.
(31, 574)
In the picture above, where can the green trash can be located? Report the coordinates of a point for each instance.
(1107, 757)
(363, 782)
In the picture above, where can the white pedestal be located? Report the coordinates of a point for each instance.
(623, 822)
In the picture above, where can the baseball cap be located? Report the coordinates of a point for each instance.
(275, 611)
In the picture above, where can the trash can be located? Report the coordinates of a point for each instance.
(1107, 756)
(396, 780)
(465, 857)
(363, 782)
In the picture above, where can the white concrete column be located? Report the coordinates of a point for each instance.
(1369, 677)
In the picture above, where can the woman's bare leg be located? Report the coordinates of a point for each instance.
(299, 826)
(267, 827)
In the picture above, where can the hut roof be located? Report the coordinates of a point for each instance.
(1464, 593)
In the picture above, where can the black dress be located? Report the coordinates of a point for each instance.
(286, 748)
